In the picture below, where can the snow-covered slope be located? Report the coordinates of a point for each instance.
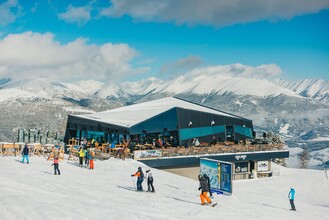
(217, 80)
(31, 191)
(142, 86)
(314, 88)
(44, 89)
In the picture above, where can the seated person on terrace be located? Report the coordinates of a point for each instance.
(214, 141)
(196, 142)
(158, 144)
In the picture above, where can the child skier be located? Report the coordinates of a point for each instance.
(91, 157)
(25, 154)
(140, 178)
(86, 158)
(55, 164)
(149, 181)
(204, 190)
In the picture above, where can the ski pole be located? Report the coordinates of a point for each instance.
(132, 178)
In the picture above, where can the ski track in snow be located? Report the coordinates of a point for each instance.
(31, 191)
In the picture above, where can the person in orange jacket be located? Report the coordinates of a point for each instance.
(91, 157)
(140, 178)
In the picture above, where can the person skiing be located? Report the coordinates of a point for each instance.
(204, 190)
(206, 177)
(81, 156)
(140, 178)
(291, 197)
(91, 157)
(56, 166)
(149, 177)
(25, 154)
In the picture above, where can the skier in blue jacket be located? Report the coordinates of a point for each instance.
(291, 197)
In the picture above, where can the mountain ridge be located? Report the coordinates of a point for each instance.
(272, 105)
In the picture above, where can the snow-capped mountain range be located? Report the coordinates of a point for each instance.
(292, 109)
(313, 88)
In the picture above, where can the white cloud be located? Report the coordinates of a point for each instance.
(240, 70)
(79, 15)
(212, 12)
(33, 55)
(9, 11)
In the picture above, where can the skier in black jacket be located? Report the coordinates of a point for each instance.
(204, 190)
(208, 180)
(25, 154)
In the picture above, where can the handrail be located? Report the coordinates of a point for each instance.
(217, 149)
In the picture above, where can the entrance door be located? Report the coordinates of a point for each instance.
(229, 133)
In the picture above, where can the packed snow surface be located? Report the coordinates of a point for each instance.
(32, 191)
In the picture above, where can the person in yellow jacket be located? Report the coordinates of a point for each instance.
(81, 156)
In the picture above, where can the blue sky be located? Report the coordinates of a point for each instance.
(132, 40)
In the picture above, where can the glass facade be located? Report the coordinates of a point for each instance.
(189, 133)
(164, 122)
(243, 131)
(241, 167)
(177, 124)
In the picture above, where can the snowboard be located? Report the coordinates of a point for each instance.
(212, 204)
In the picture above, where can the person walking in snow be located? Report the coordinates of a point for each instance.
(56, 166)
(204, 190)
(140, 178)
(149, 177)
(86, 158)
(291, 197)
(206, 177)
(91, 157)
(81, 156)
(25, 154)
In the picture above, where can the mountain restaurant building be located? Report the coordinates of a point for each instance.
(179, 122)
(176, 120)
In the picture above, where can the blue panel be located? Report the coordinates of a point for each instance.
(188, 133)
(244, 131)
(157, 123)
(226, 177)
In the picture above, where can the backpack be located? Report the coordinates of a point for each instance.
(142, 174)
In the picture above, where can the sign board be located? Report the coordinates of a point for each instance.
(147, 154)
(262, 166)
(219, 173)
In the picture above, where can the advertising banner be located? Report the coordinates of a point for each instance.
(219, 173)
(147, 154)
(262, 166)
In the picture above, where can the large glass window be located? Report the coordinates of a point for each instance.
(241, 167)
(189, 133)
(96, 135)
(244, 131)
